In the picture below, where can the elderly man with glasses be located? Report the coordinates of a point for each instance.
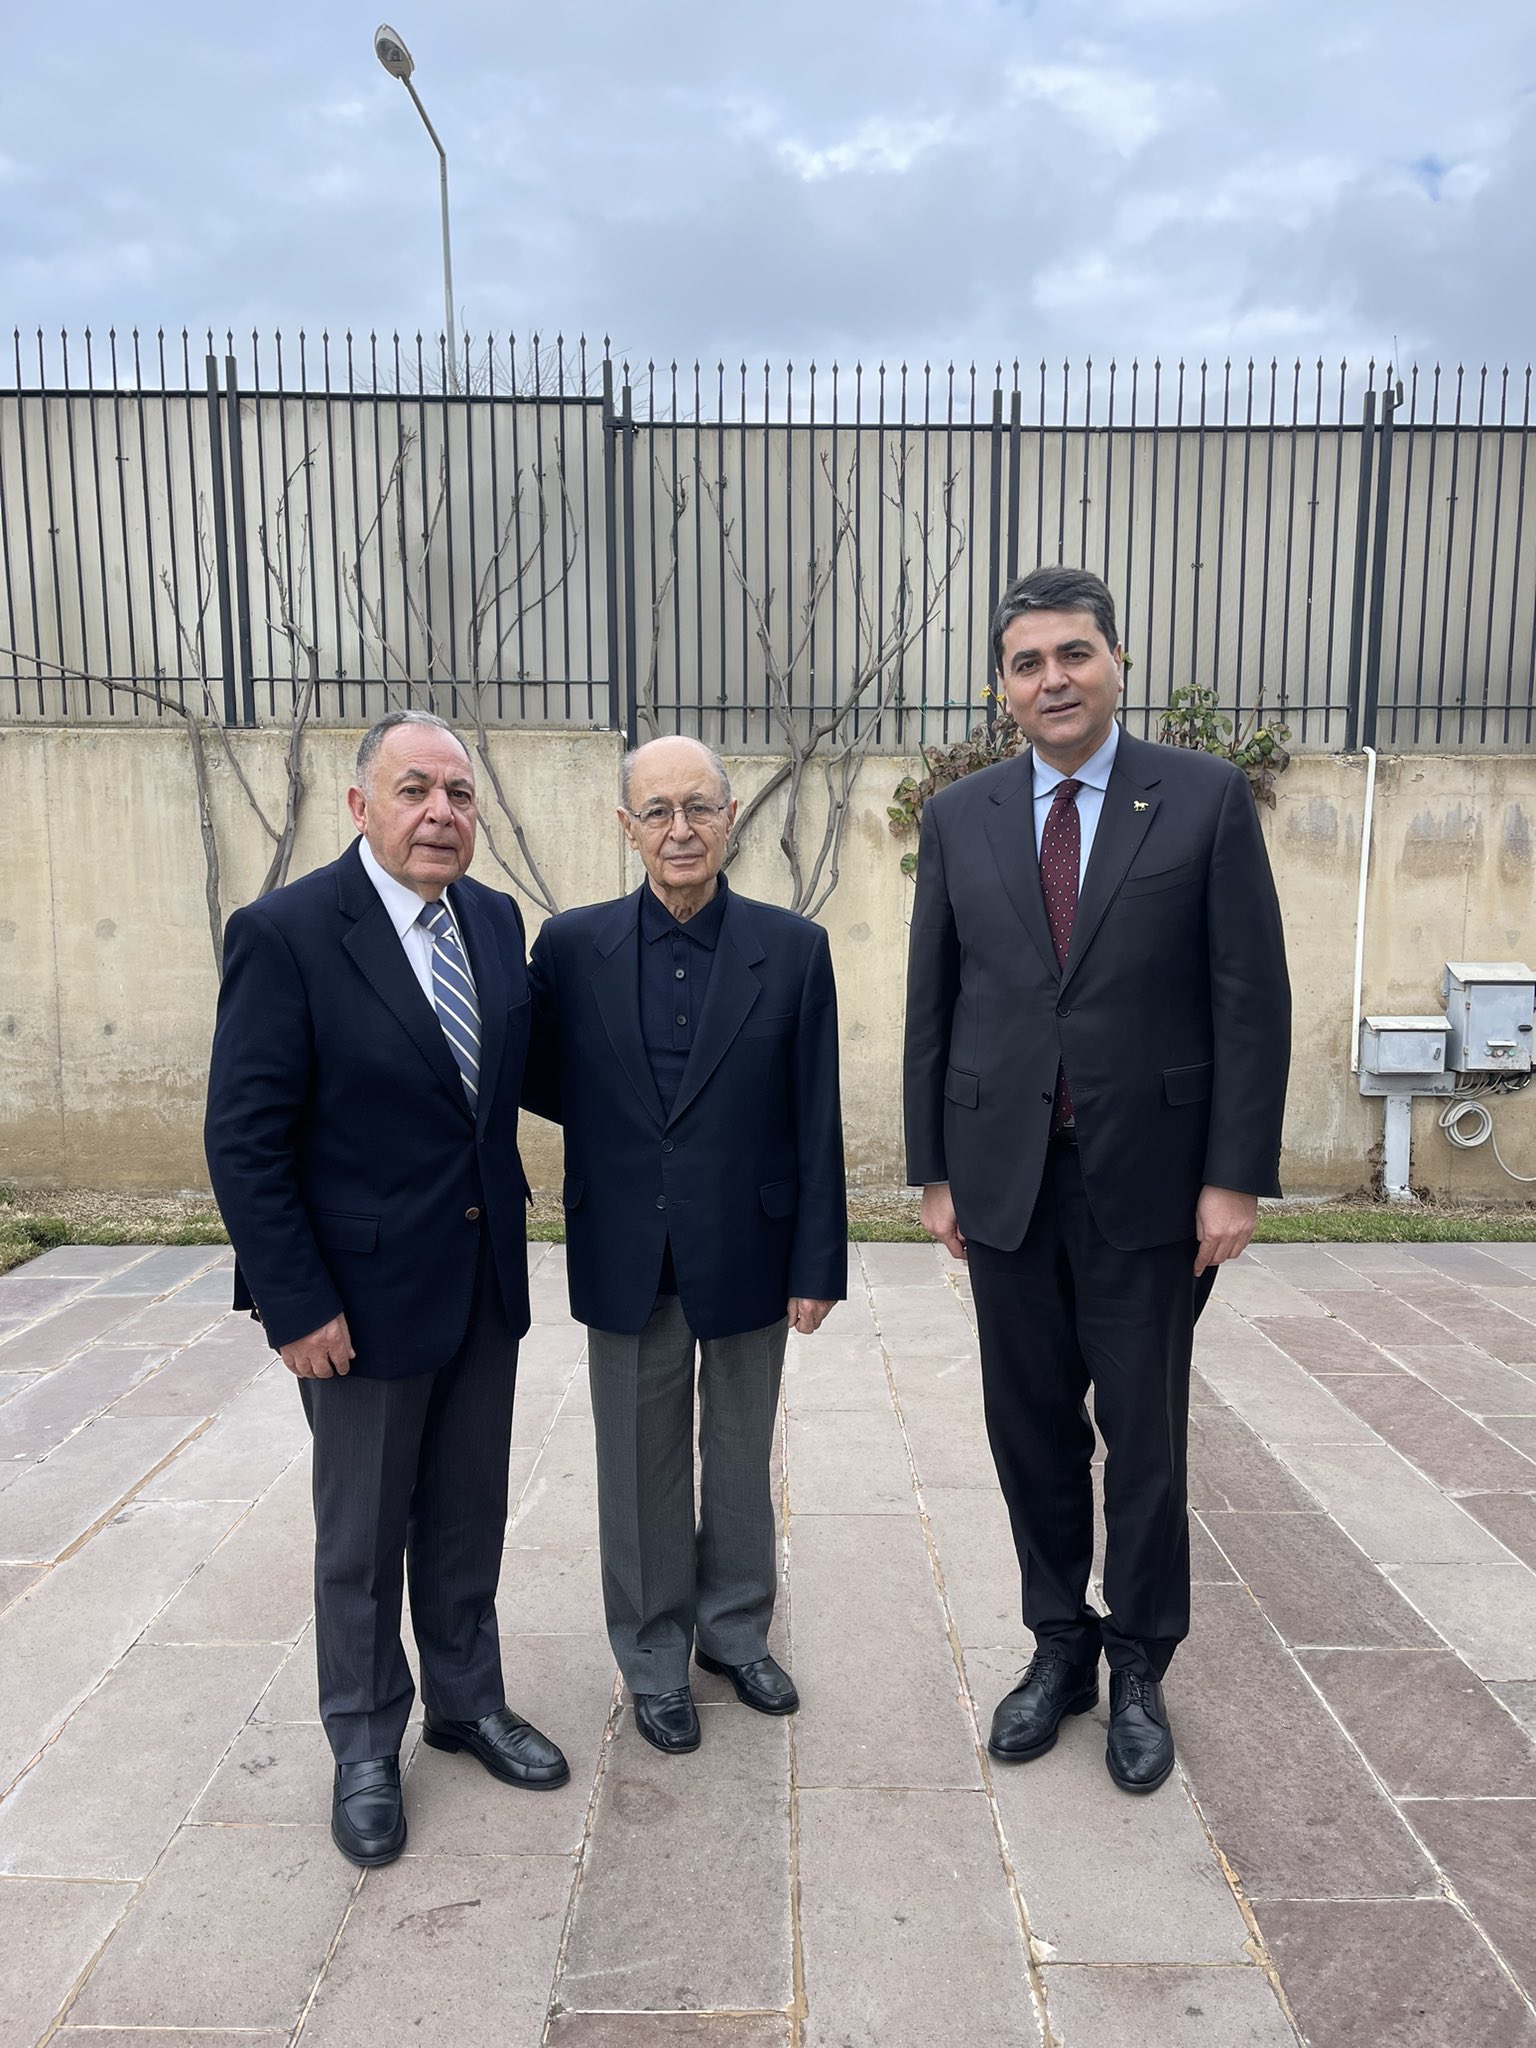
(686, 1038)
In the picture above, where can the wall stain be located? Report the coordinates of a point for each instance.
(1313, 827)
(1515, 858)
(105, 928)
(1434, 848)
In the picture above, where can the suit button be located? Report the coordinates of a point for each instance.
(1064, 1011)
(661, 1201)
(667, 1145)
(471, 1215)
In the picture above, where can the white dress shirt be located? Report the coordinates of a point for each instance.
(404, 907)
(1094, 776)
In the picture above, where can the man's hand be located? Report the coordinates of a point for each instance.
(1224, 1222)
(322, 1353)
(937, 1217)
(807, 1317)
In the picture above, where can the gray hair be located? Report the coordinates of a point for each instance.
(626, 766)
(373, 739)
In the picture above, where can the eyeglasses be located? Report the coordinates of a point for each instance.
(657, 817)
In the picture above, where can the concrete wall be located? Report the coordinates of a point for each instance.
(107, 983)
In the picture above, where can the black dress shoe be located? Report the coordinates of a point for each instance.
(763, 1684)
(668, 1720)
(1140, 1750)
(1027, 1718)
(367, 1820)
(511, 1748)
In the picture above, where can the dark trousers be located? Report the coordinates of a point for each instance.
(1063, 1312)
(410, 1476)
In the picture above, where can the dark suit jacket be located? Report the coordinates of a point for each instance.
(1172, 1014)
(746, 1175)
(346, 1161)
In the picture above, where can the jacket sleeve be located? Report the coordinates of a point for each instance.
(1250, 1004)
(933, 984)
(818, 1256)
(541, 1072)
(258, 1085)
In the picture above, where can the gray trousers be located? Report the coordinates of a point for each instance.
(411, 1475)
(665, 1579)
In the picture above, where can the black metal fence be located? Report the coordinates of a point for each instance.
(563, 541)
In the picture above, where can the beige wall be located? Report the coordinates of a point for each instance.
(107, 983)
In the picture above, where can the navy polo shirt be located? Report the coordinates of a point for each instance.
(675, 960)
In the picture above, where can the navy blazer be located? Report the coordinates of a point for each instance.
(347, 1163)
(1171, 1014)
(746, 1175)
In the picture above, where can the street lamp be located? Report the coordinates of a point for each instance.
(397, 61)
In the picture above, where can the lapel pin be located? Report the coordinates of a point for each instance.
(1137, 804)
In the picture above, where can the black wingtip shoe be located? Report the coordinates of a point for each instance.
(367, 1818)
(511, 1748)
(1140, 1748)
(763, 1684)
(668, 1720)
(1050, 1686)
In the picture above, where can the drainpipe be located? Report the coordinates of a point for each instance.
(1365, 875)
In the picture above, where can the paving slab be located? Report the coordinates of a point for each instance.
(1232, 1471)
(1448, 1446)
(685, 1891)
(1175, 2008)
(1392, 1511)
(1254, 1290)
(273, 1774)
(15, 1580)
(910, 1930)
(1519, 1430)
(1387, 1974)
(974, 1542)
(946, 1435)
(1427, 1725)
(108, 1795)
(49, 1934)
(1315, 1585)
(832, 1370)
(1511, 1517)
(164, 1269)
(1380, 1317)
(863, 1584)
(902, 1265)
(89, 1261)
(923, 1328)
(670, 2030)
(1487, 1848)
(1281, 1401)
(1311, 1823)
(1325, 1345)
(250, 1443)
(466, 1947)
(58, 1403)
(198, 1380)
(851, 1462)
(231, 1930)
(61, 1638)
(55, 1501)
(59, 1336)
(1518, 1697)
(1471, 1378)
(1486, 1611)
(258, 1586)
(13, 1383)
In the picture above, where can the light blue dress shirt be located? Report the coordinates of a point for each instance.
(1094, 776)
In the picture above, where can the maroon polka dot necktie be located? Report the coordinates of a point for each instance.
(1060, 854)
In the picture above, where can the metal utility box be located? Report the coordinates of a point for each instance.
(1404, 1056)
(1490, 1005)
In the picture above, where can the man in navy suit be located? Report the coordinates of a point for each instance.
(686, 1037)
(1098, 1030)
(362, 1142)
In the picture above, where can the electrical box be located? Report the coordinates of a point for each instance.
(1491, 1007)
(1404, 1056)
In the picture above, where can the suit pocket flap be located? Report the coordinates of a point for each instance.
(1187, 1084)
(571, 1191)
(1164, 878)
(347, 1233)
(767, 1027)
(961, 1087)
(778, 1198)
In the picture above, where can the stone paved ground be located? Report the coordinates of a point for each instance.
(1348, 1854)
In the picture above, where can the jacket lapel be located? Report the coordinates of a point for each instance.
(733, 989)
(616, 991)
(492, 989)
(1129, 807)
(375, 948)
(1010, 824)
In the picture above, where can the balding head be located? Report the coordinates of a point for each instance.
(678, 753)
(677, 815)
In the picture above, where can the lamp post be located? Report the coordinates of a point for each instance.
(398, 62)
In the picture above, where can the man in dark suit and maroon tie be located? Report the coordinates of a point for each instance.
(1098, 1032)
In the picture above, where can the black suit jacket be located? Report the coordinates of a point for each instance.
(347, 1163)
(1172, 1014)
(746, 1175)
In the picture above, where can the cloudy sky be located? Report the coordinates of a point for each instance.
(919, 178)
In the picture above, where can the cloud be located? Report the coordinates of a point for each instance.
(883, 146)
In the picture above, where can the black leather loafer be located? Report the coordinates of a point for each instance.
(764, 1684)
(668, 1720)
(1140, 1749)
(1026, 1720)
(511, 1748)
(367, 1819)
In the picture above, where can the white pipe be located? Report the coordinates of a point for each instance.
(1365, 875)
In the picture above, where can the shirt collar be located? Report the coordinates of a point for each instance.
(1094, 771)
(402, 905)
(657, 922)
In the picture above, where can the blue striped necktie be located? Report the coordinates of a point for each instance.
(453, 996)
